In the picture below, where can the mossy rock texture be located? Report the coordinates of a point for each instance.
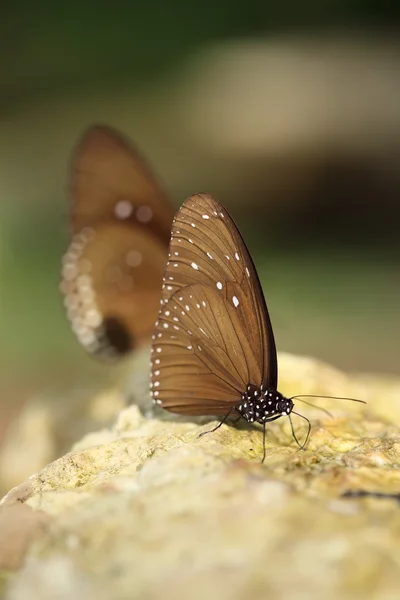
(148, 510)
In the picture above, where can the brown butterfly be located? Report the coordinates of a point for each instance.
(120, 228)
(213, 350)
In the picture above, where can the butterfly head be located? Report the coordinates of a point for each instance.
(263, 405)
(284, 406)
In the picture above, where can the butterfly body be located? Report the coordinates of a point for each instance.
(263, 405)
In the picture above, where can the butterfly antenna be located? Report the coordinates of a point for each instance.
(332, 397)
(301, 446)
(316, 406)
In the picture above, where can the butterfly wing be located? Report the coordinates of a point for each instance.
(109, 181)
(120, 222)
(213, 336)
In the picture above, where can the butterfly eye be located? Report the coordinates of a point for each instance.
(120, 228)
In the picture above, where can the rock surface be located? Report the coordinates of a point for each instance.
(148, 510)
(49, 424)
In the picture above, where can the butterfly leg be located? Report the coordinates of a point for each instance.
(272, 419)
(263, 458)
(301, 446)
(219, 424)
(236, 420)
(264, 433)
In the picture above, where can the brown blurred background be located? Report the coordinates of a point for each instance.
(289, 113)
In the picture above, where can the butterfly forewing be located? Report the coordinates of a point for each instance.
(213, 336)
(206, 247)
(120, 220)
(110, 181)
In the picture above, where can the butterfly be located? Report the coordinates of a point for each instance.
(213, 350)
(120, 222)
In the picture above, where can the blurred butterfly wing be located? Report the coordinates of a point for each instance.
(207, 253)
(109, 181)
(112, 291)
(112, 270)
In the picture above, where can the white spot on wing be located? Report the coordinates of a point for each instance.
(134, 258)
(235, 301)
(144, 214)
(195, 267)
(219, 285)
(123, 209)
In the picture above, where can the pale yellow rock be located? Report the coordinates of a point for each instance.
(149, 510)
(27, 446)
(47, 426)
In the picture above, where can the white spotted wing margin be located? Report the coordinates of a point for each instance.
(213, 335)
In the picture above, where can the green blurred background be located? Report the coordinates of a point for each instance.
(287, 112)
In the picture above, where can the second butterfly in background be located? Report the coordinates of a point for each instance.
(120, 228)
(213, 350)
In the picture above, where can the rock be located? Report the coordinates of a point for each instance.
(48, 425)
(19, 526)
(147, 509)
